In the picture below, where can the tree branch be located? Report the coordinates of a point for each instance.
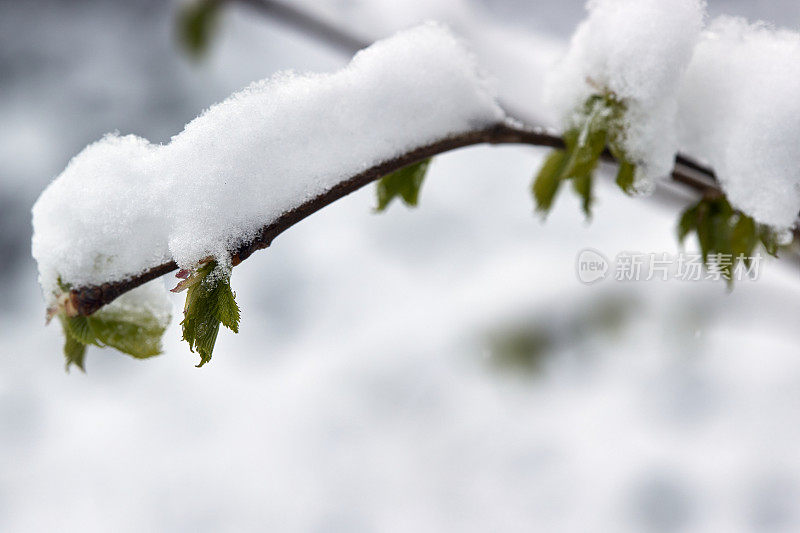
(308, 24)
(87, 300)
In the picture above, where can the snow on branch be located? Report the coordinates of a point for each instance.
(87, 299)
(124, 206)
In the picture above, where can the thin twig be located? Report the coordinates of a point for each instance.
(309, 24)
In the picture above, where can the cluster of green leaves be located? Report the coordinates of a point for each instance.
(196, 23)
(726, 235)
(209, 303)
(404, 184)
(136, 333)
(601, 124)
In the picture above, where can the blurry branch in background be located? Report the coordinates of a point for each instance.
(197, 19)
(308, 24)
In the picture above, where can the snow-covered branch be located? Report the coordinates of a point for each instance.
(88, 299)
(125, 211)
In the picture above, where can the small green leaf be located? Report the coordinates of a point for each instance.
(134, 332)
(585, 157)
(626, 174)
(744, 238)
(74, 351)
(404, 183)
(705, 229)
(209, 302)
(688, 223)
(586, 149)
(140, 340)
(769, 240)
(721, 216)
(196, 22)
(721, 229)
(600, 122)
(582, 185)
(547, 182)
(227, 309)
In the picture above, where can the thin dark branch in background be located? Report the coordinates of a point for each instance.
(308, 24)
(87, 300)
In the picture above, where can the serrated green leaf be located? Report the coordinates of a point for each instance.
(404, 183)
(209, 302)
(136, 333)
(196, 22)
(227, 309)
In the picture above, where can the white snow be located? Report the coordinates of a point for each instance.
(637, 49)
(739, 109)
(123, 204)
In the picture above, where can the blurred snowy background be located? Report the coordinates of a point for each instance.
(432, 370)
